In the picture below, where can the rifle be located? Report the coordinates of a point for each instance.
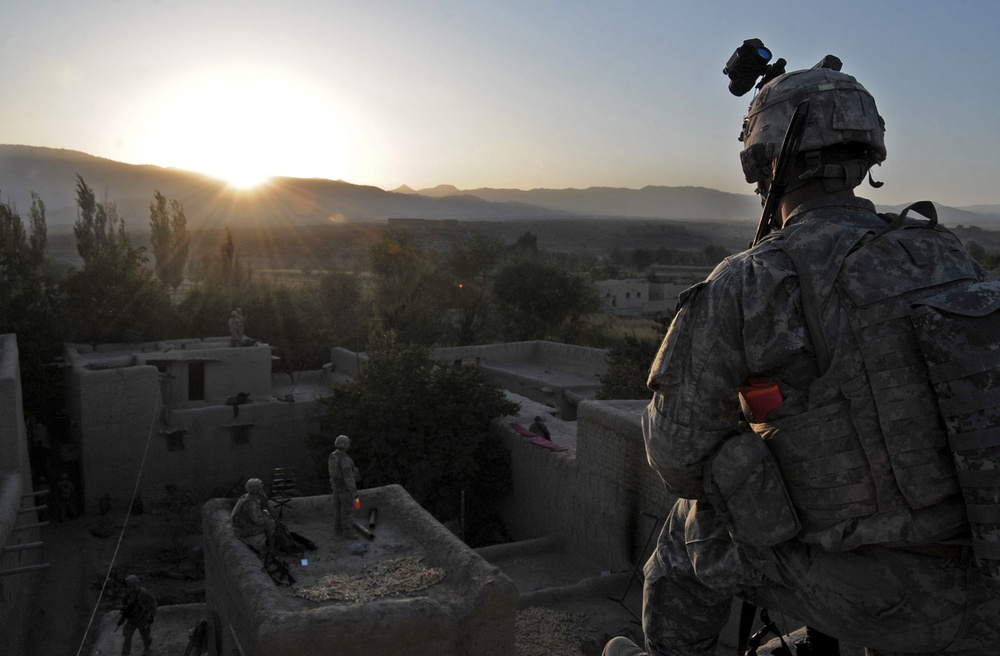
(783, 167)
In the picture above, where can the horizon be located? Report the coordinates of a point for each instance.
(515, 96)
(262, 186)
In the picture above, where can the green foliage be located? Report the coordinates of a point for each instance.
(169, 239)
(542, 300)
(27, 304)
(341, 316)
(99, 231)
(628, 369)
(528, 241)
(467, 274)
(285, 318)
(222, 268)
(405, 290)
(114, 298)
(420, 423)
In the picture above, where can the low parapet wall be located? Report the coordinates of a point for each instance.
(568, 358)
(558, 375)
(470, 611)
(602, 498)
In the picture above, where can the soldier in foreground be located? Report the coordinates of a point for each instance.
(343, 484)
(251, 516)
(138, 612)
(793, 415)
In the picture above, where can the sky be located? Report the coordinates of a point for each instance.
(507, 94)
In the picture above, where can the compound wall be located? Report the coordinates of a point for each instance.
(602, 497)
(17, 583)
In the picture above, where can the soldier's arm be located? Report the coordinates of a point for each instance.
(694, 378)
(347, 470)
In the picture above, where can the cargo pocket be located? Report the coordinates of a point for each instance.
(746, 488)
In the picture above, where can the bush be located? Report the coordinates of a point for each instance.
(420, 423)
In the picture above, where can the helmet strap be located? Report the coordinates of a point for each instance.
(836, 176)
(874, 183)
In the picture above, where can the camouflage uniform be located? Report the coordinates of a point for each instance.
(139, 611)
(343, 483)
(251, 519)
(881, 568)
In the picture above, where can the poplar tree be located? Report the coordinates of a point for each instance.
(169, 239)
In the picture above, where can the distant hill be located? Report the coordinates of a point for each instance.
(680, 203)
(649, 202)
(209, 203)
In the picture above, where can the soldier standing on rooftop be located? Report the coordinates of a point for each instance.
(343, 483)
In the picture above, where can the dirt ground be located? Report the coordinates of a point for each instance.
(69, 603)
(70, 609)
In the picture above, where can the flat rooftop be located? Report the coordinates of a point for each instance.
(470, 609)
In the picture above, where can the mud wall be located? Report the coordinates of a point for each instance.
(119, 422)
(602, 497)
(472, 611)
(16, 589)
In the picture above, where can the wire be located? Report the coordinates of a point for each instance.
(121, 535)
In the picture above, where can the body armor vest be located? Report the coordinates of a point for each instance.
(869, 461)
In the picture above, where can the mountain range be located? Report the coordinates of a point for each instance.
(210, 203)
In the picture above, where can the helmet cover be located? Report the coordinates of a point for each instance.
(841, 111)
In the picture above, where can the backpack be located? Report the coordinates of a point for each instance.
(957, 329)
(959, 335)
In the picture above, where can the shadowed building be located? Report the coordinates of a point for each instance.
(193, 413)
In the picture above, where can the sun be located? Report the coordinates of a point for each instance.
(246, 126)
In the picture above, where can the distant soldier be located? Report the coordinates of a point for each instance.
(251, 516)
(236, 327)
(538, 427)
(66, 498)
(343, 483)
(138, 612)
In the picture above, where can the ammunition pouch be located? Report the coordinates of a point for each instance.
(746, 488)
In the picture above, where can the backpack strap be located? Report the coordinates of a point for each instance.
(923, 207)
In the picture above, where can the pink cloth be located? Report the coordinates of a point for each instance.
(535, 438)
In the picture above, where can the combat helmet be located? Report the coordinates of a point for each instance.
(844, 135)
(342, 442)
(255, 485)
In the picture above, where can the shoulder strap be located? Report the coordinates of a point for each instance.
(924, 207)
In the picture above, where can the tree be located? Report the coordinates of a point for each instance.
(628, 369)
(98, 229)
(467, 274)
(38, 240)
(27, 305)
(342, 320)
(404, 295)
(542, 300)
(169, 238)
(422, 424)
(114, 298)
(528, 241)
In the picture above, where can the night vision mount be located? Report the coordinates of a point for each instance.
(751, 61)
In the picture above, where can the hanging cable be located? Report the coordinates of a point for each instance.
(121, 535)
